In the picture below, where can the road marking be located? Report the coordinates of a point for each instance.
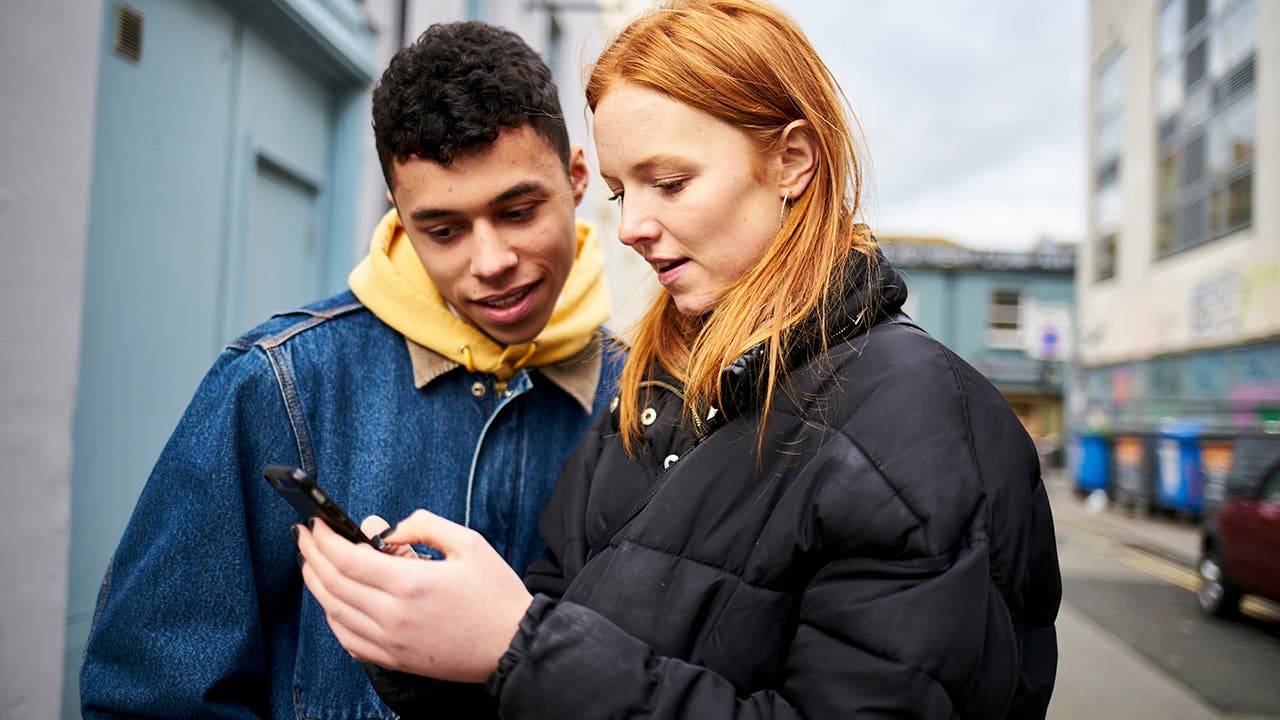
(1163, 568)
(1159, 567)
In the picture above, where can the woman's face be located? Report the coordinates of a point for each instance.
(691, 206)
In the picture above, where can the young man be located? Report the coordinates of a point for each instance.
(456, 375)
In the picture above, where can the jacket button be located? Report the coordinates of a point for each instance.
(648, 416)
(669, 461)
(477, 389)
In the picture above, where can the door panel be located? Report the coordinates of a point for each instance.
(208, 211)
(281, 267)
(287, 119)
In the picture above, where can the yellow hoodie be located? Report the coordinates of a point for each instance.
(392, 283)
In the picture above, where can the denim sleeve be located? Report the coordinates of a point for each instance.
(200, 580)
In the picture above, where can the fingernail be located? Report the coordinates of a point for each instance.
(301, 560)
(311, 523)
(294, 529)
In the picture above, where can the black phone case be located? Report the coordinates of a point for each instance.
(302, 492)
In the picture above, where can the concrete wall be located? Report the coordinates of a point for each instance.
(1221, 293)
(48, 62)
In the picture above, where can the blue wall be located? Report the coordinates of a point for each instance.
(225, 163)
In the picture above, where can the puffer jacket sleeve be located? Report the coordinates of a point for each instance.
(199, 572)
(879, 635)
(1043, 598)
(900, 618)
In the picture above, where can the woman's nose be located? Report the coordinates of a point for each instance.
(637, 225)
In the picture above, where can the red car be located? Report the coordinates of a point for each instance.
(1240, 550)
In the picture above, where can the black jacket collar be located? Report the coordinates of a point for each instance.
(861, 305)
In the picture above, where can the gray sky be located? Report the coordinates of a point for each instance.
(974, 112)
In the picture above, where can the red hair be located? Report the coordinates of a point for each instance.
(748, 64)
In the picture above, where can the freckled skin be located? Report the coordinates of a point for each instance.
(691, 205)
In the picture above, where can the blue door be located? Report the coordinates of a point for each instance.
(210, 209)
(286, 120)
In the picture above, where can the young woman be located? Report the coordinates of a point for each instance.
(801, 505)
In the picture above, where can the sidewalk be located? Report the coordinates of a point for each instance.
(1174, 539)
(1100, 676)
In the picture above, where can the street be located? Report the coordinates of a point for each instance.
(1133, 643)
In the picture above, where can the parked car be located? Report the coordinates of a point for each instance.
(1240, 547)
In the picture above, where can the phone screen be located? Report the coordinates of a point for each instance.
(302, 492)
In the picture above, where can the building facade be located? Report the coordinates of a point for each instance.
(177, 170)
(1179, 283)
(1009, 314)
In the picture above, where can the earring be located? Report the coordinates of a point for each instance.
(782, 213)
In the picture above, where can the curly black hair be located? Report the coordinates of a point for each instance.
(456, 87)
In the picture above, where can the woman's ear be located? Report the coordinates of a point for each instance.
(798, 158)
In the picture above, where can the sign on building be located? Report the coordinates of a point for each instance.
(1046, 329)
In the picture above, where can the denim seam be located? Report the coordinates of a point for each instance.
(327, 314)
(106, 588)
(316, 317)
(288, 387)
(293, 405)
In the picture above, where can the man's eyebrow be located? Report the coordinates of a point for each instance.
(420, 216)
(530, 187)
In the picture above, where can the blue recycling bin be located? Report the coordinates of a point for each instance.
(1092, 461)
(1181, 483)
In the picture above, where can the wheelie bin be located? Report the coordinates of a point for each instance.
(1133, 481)
(1180, 487)
(1091, 472)
(1217, 455)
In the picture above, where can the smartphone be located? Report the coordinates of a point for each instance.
(302, 492)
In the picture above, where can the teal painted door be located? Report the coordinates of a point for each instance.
(287, 121)
(209, 210)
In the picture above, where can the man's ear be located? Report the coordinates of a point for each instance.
(392, 199)
(578, 173)
(797, 158)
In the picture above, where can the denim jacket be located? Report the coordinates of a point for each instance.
(203, 613)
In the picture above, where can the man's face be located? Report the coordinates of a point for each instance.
(495, 230)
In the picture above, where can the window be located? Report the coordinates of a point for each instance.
(1108, 149)
(1002, 319)
(1207, 114)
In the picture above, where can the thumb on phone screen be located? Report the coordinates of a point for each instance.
(375, 525)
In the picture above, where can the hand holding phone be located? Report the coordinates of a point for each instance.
(302, 492)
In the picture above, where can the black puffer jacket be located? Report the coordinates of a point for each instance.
(891, 553)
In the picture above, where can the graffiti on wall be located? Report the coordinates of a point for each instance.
(1226, 305)
(1216, 306)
